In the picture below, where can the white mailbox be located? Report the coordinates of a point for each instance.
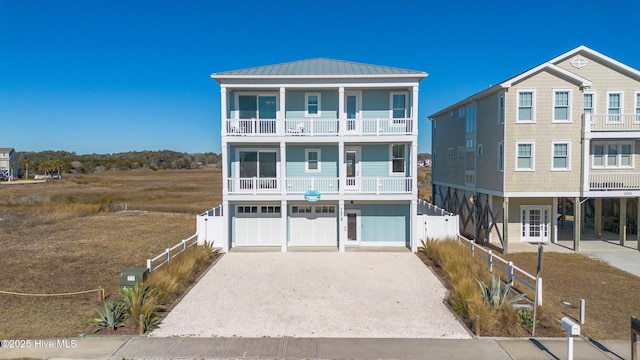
(570, 327)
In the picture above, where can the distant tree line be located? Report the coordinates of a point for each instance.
(69, 162)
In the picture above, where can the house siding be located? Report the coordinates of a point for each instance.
(384, 222)
(296, 161)
(489, 133)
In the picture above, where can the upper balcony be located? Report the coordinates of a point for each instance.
(318, 127)
(612, 125)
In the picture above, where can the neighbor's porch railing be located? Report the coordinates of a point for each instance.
(171, 252)
(365, 185)
(614, 181)
(512, 272)
(319, 127)
(608, 122)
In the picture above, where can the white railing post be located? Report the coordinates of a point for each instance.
(184, 245)
(511, 272)
(539, 287)
(149, 265)
(473, 249)
(168, 255)
(490, 260)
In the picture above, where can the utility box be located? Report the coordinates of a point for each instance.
(130, 277)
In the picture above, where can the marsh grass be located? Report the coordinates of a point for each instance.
(59, 237)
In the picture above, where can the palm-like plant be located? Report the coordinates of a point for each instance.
(110, 316)
(494, 296)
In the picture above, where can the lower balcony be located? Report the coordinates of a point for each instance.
(362, 185)
(614, 181)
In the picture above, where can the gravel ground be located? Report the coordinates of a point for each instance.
(315, 294)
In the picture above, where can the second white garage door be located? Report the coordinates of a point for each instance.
(313, 225)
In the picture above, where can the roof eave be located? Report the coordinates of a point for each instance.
(348, 76)
(475, 97)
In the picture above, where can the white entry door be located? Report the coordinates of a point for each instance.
(352, 111)
(352, 168)
(535, 223)
(353, 227)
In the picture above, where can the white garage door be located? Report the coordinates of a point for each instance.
(257, 225)
(313, 225)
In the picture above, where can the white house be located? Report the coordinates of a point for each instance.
(317, 152)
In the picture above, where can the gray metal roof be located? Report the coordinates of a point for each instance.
(319, 67)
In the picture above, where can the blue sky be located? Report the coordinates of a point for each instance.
(115, 76)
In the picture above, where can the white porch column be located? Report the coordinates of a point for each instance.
(282, 113)
(282, 179)
(505, 225)
(225, 169)
(342, 226)
(223, 110)
(577, 218)
(341, 168)
(283, 225)
(554, 221)
(585, 164)
(414, 169)
(226, 238)
(414, 110)
(341, 120)
(414, 224)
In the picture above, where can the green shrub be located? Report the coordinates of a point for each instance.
(141, 300)
(494, 296)
(111, 315)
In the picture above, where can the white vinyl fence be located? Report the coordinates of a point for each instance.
(210, 226)
(435, 223)
(170, 253)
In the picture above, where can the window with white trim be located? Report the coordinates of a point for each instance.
(312, 104)
(588, 103)
(612, 155)
(399, 105)
(525, 156)
(637, 118)
(312, 160)
(501, 156)
(398, 160)
(561, 108)
(614, 106)
(526, 106)
(561, 151)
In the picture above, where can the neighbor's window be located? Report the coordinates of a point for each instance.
(398, 159)
(612, 155)
(614, 107)
(587, 102)
(560, 156)
(501, 109)
(312, 104)
(501, 156)
(561, 105)
(525, 106)
(524, 160)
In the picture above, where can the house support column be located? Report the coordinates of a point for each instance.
(225, 169)
(583, 215)
(414, 224)
(597, 217)
(414, 110)
(341, 118)
(505, 225)
(223, 112)
(342, 169)
(226, 238)
(638, 222)
(342, 224)
(283, 225)
(280, 127)
(577, 216)
(622, 229)
(414, 165)
(282, 180)
(554, 221)
(563, 212)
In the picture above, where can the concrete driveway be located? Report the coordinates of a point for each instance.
(315, 294)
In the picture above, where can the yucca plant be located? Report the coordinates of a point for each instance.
(494, 296)
(110, 315)
(141, 300)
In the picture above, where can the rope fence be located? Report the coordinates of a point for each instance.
(100, 290)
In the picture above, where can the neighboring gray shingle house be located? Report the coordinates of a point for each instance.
(9, 169)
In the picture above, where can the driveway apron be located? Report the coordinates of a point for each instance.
(315, 294)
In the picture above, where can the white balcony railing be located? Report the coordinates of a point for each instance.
(374, 185)
(607, 122)
(318, 127)
(614, 181)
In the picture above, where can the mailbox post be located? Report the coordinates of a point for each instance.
(572, 330)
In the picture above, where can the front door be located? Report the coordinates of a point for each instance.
(353, 227)
(535, 223)
(352, 167)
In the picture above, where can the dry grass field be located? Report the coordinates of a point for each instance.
(68, 236)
